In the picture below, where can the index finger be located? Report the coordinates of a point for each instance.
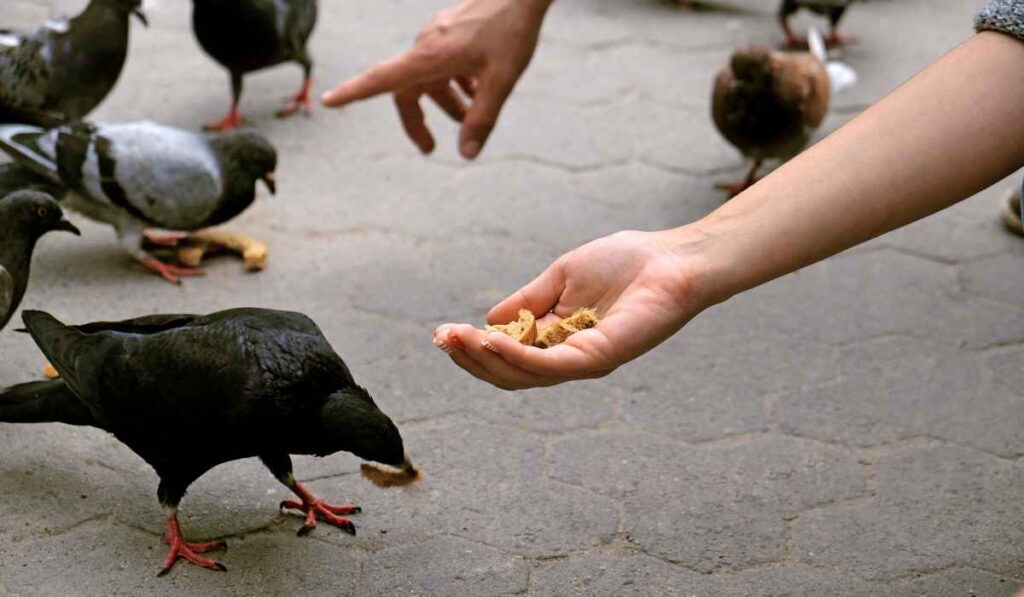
(399, 72)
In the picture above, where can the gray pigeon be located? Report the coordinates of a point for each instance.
(249, 35)
(66, 66)
(24, 217)
(143, 175)
(833, 9)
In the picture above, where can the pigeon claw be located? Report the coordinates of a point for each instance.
(183, 550)
(229, 123)
(171, 273)
(315, 508)
(301, 101)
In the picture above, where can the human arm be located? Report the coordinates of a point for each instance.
(479, 46)
(946, 134)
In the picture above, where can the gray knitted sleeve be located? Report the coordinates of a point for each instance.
(1002, 15)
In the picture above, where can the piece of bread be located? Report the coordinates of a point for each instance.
(559, 332)
(386, 476)
(524, 330)
(212, 240)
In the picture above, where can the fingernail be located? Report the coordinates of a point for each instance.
(470, 149)
(326, 97)
(454, 341)
(488, 346)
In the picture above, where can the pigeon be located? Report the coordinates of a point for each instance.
(833, 9)
(66, 66)
(190, 392)
(249, 35)
(142, 175)
(25, 216)
(767, 104)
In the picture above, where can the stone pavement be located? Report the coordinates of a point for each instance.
(854, 429)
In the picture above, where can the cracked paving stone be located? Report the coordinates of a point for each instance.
(724, 385)
(729, 502)
(1008, 368)
(874, 293)
(579, 406)
(655, 197)
(100, 559)
(233, 498)
(988, 278)
(897, 388)
(935, 506)
(54, 477)
(958, 582)
(635, 575)
(966, 231)
(446, 566)
(496, 504)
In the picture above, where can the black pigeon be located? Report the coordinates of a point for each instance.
(189, 392)
(24, 217)
(250, 35)
(833, 9)
(66, 66)
(142, 175)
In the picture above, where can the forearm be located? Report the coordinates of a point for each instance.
(951, 131)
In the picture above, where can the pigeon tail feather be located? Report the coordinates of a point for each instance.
(59, 342)
(12, 146)
(47, 401)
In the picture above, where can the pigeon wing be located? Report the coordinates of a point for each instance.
(165, 176)
(24, 72)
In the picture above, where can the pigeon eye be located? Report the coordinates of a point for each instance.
(41, 212)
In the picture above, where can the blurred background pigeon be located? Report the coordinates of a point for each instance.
(143, 175)
(65, 66)
(249, 35)
(767, 104)
(833, 9)
(189, 392)
(25, 216)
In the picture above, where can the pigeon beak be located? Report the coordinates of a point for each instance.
(141, 16)
(68, 227)
(271, 183)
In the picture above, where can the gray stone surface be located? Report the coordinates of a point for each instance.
(852, 429)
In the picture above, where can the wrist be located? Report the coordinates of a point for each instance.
(702, 251)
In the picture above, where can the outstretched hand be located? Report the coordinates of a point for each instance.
(480, 47)
(643, 292)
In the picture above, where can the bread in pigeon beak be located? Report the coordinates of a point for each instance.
(271, 181)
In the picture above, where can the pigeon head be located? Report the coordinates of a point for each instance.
(131, 7)
(752, 65)
(34, 214)
(353, 423)
(247, 155)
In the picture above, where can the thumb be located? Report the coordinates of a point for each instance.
(539, 296)
(483, 114)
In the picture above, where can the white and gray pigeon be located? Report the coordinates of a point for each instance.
(65, 67)
(142, 175)
(833, 9)
(25, 216)
(250, 35)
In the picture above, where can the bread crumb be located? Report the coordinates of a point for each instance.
(525, 330)
(389, 476)
(559, 332)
